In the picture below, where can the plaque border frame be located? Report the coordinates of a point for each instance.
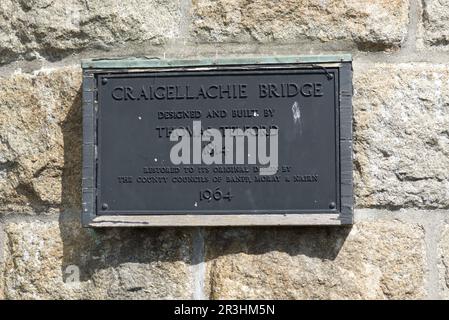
(93, 67)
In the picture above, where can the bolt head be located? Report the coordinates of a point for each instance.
(104, 206)
(332, 205)
(104, 80)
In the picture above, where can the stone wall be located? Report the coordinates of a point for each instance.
(398, 247)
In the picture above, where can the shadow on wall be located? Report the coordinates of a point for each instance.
(157, 262)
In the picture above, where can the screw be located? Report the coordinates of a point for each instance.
(104, 80)
(104, 206)
(332, 205)
(330, 76)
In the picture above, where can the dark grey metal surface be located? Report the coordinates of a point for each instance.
(318, 144)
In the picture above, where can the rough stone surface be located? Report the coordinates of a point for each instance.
(2, 265)
(374, 260)
(434, 30)
(370, 25)
(444, 262)
(51, 29)
(401, 135)
(40, 141)
(43, 261)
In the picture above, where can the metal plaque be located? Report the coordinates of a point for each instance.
(224, 143)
